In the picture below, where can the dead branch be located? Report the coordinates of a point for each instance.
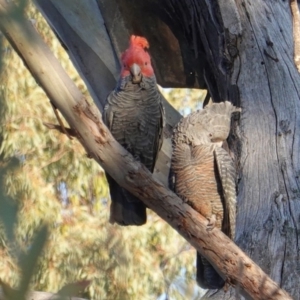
(296, 31)
(68, 131)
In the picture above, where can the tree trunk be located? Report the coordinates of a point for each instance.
(269, 86)
(242, 51)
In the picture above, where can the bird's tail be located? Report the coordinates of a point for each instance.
(207, 277)
(125, 208)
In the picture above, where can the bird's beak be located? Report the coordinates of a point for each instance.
(135, 71)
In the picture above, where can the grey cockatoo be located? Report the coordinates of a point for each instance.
(134, 115)
(204, 174)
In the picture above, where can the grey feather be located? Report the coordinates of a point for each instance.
(227, 175)
(134, 115)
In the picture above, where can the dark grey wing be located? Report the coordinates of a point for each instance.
(227, 176)
(125, 208)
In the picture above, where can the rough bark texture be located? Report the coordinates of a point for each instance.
(269, 213)
(97, 140)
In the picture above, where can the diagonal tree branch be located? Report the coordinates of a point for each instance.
(296, 32)
(86, 121)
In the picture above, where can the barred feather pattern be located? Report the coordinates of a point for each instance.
(195, 180)
(134, 115)
(227, 176)
(211, 124)
(204, 174)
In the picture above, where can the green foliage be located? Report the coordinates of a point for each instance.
(56, 184)
(26, 260)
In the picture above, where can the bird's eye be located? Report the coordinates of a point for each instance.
(124, 66)
(146, 63)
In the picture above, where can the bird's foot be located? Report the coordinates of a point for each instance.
(211, 222)
(226, 286)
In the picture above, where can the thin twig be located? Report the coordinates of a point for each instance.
(68, 131)
(62, 126)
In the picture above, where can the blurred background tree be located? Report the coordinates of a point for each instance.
(57, 184)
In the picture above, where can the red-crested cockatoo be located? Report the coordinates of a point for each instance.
(134, 114)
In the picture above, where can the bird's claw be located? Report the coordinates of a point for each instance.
(211, 222)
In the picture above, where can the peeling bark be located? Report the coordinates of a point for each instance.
(296, 31)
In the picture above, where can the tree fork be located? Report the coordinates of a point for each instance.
(231, 262)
